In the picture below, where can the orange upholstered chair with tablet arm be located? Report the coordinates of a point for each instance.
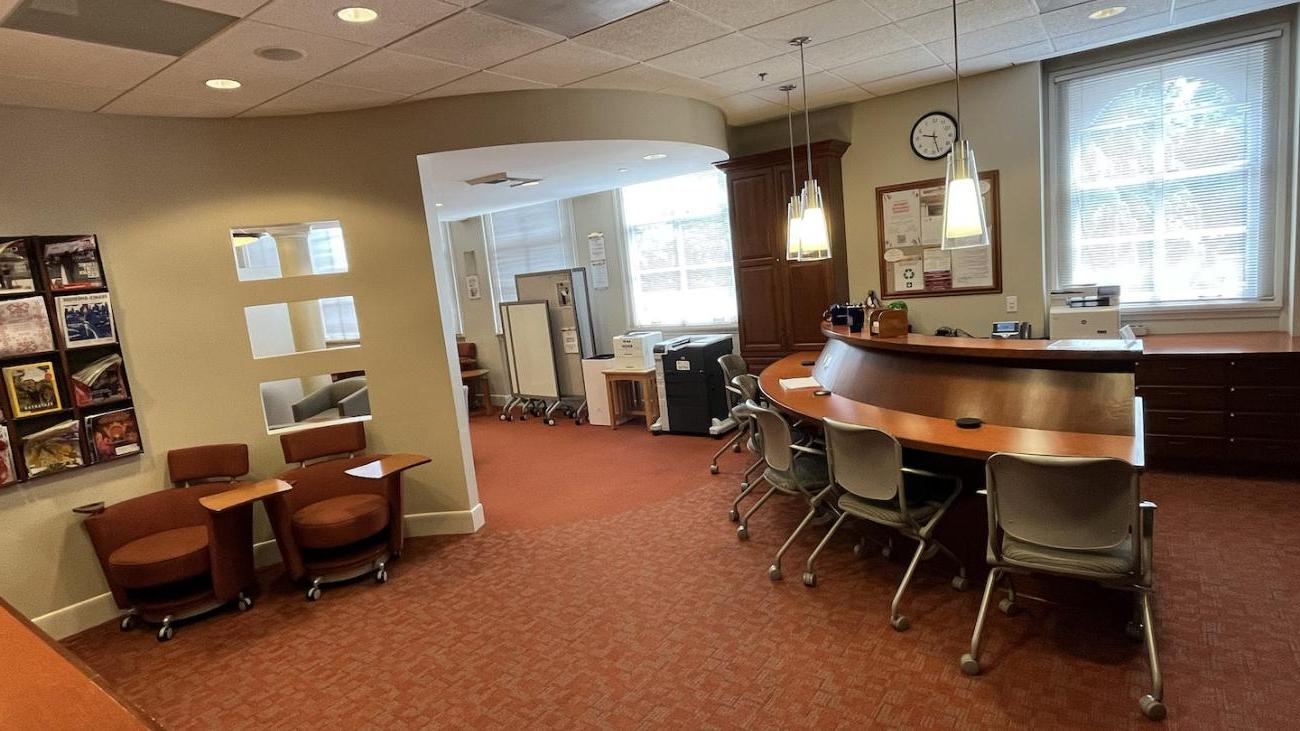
(181, 552)
(343, 518)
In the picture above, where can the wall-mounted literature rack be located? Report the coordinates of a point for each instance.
(65, 399)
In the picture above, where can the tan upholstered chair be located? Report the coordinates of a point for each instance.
(167, 557)
(343, 519)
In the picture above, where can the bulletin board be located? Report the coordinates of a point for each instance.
(909, 227)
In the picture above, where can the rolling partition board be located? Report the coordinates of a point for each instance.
(530, 357)
(568, 299)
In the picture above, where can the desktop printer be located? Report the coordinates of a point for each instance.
(1086, 312)
(635, 350)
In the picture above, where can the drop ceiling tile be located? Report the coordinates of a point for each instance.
(654, 32)
(818, 83)
(318, 96)
(23, 92)
(237, 8)
(481, 83)
(746, 77)
(744, 13)
(400, 73)
(697, 89)
(900, 9)
(847, 95)
(186, 78)
(234, 49)
(1074, 19)
(475, 40)
(38, 56)
(1109, 34)
(141, 103)
(1002, 59)
(715, 56)
(1188, 13)
(826, 22)
(562, 63)
(746, 108)
(639, 78)
(568, 18)
(991, 40)
(892, 64)
(867, 44)
(397, 18)
(971, 16)
(913, 80)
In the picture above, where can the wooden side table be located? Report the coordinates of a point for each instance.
(622, 387)
(484, 388)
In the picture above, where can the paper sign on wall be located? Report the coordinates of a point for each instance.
(570, 337)
(908, 276)
(599, 275)
(472, 289)
(596, 246)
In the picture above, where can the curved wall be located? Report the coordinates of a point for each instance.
(162, 195)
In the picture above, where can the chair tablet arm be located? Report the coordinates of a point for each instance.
(243, 495)
(90, 508)
(387, 466)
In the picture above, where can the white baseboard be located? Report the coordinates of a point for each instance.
(445, 523)
(84, 614)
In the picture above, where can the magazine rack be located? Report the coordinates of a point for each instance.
(66, 361)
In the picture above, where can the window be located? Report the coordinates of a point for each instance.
(339, 317)
(1166, 175)
(679, 252)
(328, 254)
(534, 238)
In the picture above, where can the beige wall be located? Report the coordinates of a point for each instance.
(162, 194)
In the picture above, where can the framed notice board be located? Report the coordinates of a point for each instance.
(909, 227)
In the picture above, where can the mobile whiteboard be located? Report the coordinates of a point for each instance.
(530, 355)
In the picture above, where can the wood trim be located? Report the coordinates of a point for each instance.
(834, 148)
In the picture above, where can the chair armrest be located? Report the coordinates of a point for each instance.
(243, 495)
(1147, 505)
(982, 492)
(311, 405)
(356, 403)
(918, 472)
(90, 508)
(390, 465)
(808, 450)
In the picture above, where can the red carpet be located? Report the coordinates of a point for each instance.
(650, 614)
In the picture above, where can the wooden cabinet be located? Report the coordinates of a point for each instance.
(781, 301)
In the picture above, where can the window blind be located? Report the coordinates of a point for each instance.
(528, 239)
(679, 251)
(339, 317)
(1167, 176)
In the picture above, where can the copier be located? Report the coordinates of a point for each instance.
(692, 395)
(1086, 312)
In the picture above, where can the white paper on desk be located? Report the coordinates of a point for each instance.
(791, 384)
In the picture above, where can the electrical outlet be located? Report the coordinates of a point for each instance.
(1013, 304)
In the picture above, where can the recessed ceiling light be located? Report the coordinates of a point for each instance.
(278, 53)
(356, 14)
(1107, 12)
(654, 156)
(223, 84)
(437, 205)
(623, 170)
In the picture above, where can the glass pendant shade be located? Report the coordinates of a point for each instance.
(816, 238)
(963, 207)
(794, 228)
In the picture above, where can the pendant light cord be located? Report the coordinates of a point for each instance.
(789, 123)
(807, 127)
(956, 65)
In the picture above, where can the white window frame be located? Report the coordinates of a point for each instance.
(1282, 185)
(490, 252)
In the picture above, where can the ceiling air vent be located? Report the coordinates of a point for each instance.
(143, 25)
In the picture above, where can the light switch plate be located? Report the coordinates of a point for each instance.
(1013, 304)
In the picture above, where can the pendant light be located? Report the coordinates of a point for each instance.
(815, 239)
(963, 206)
(793, 208)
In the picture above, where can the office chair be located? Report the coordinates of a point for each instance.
(732, 366)
(866, 464)
(341, 399)
(343, 518)
(793, 468)
(1071, 516)
(747, 384)
(166, 555)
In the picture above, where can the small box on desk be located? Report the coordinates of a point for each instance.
(887, 323)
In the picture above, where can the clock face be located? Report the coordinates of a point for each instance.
(933, 135)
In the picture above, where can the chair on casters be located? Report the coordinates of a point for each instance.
(169, 555)
(732, 366)
(791, 468)
(747, 384)
(344, 516)
(1078, 517)
(866, 464)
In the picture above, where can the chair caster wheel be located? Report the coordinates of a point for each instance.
(1152, 708)
(165, 633)
(1134, 631)
(127, 623)
(809, 578)
(579, 422)
(970, 665)
(900, 623)
(713, 469)
(733, 516)
(1009, 607)
(886, 552)
(859, 550)
(742, 532)
(774, 572)
(381, 576)
(244, 604)
(550, 422)
(504, 417)
(960, 583)
(744, 486)
(736, 449)
(313, 594)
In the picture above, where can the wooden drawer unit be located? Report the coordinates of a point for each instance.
(1264, 371)
(1195, 398)
(1268, 451)
(1264, 398)
(1157, 371)
(1171, 448)
(1269, 426)
(1185, 423)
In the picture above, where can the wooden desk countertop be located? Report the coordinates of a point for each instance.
(940, 434)
(995, 348)
(1202, 344)
(43, 686)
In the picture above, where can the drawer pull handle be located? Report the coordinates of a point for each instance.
(1176, 418)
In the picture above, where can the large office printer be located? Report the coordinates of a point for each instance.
(1085, 312)
(692, 395)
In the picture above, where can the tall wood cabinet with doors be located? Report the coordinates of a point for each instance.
(781, 301)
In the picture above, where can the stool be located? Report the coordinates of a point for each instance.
(622, 386)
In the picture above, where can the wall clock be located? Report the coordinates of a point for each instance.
(933, 135)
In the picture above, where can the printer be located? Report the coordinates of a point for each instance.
(692, 394)
(1086, 312)
(635, 350)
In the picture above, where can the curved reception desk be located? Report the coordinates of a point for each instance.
(1066, 398)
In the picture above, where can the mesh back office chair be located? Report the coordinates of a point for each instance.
(867, 465)
(732, 366)
(1071, 516)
